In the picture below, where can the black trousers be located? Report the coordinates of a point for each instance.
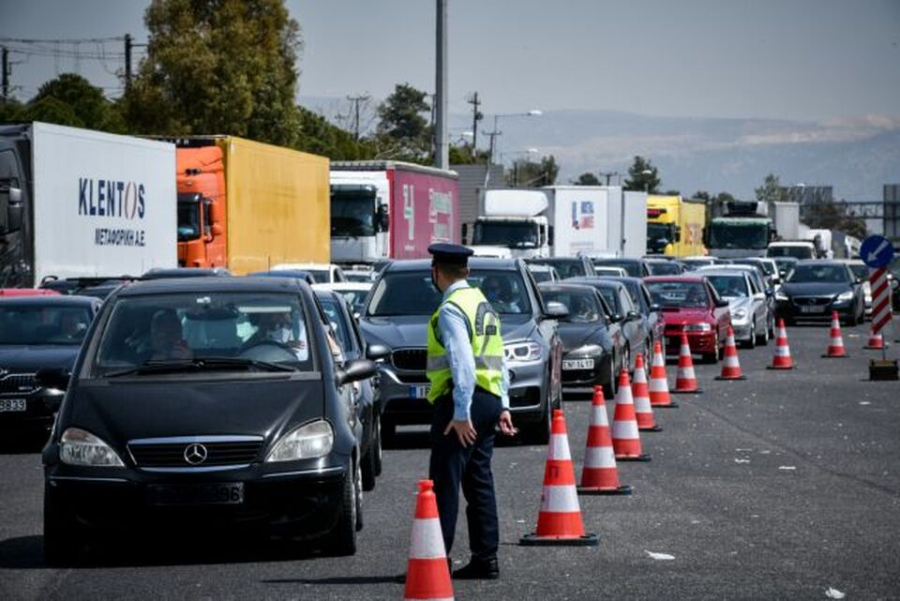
(453, 465)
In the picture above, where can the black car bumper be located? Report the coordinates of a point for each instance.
(285, 503)
(36, 416)
(816, 309)
(578, 382)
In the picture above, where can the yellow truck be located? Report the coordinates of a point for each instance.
(675, 226)
(248, 206)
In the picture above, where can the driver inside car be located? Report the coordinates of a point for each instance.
(276, 327)
(167, 338)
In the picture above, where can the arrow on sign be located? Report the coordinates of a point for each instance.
(873, 256)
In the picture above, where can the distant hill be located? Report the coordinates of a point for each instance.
(857, 156)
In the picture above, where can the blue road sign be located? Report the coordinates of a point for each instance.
(876, 251)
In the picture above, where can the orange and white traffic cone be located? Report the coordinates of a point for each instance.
(559, 521)
(659, 381)
(625, 435)
(641, 395)
(836, 341)
(782, 359)
(685, 379)
(876, 340)
(600, 475)
(427, 572)
(731, 367)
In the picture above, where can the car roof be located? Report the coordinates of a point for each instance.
(725, 271)
(50, 300)
(551, 260)
(596, 282)
(249, 283)
(675, 278)
(829, 262)
(562, 286)
(733, 266)
(625, 279)
(339, 286)
(474, 263)
(616, 260)
(539, 266)
(185, 272)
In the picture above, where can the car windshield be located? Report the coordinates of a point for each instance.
(336, 319)
(504, 233)
(355, 298)
(819, 274)
(183, 327)
(860, 271)
(689, 295)
(43, 325)
(659, 235)
(567, 268)
(582, 304)
(412, 293)
(632, 268)
(352, 215)
(359, 276)
(321, 276)
(664, 268)
(738, 235)
(730, 286)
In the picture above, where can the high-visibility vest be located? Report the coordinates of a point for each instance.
(484, 334)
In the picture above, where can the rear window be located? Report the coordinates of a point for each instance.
(566, 269)
(632, 268)
(43, 325)
(689, 295)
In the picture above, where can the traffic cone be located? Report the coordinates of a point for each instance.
(876, 340)
(625, 436)
(642, 409)
(836, 343)
(427, 573)
(731, 367)
(659, 381)
(782, 358)
(600, 475)
(685, 379)
(559, 521)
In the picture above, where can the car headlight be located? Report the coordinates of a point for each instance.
(310, 441)
(780, 296)
(740, 314)
(845, 296)
(698, 327)
(80, 447)
(522, 351)
(588, 350)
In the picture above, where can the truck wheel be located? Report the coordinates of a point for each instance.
(342, 539)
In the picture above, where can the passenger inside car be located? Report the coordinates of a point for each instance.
(167, 338)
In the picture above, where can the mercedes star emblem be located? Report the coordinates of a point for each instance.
(195, 454)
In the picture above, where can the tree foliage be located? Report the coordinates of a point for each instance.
(642, 176)
(771, 190)
(533, 174)
(69, 99)
(403, 129)
(219, 67)
(587, 179)
(834, 216)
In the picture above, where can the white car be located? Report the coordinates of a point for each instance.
(749, 311)
(322, 273)
(355, 293)
(861, 272)
(609, 270)
(360, 275)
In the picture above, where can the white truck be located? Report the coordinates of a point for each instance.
(76, 203)
(747, 227)
(560, 221)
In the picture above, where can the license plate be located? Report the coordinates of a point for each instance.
(812, 309)
(13, 405)
(571, 364)
(231, 493)
(418, 392)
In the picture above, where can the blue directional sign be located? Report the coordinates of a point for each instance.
(876, 251)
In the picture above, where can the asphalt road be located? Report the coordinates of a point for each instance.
(778, 487)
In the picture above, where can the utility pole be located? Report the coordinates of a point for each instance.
(128, 46)
(608, 175)
(476, 117)
(442, 138)
(487, 171)
(356, 100)
(6, 73)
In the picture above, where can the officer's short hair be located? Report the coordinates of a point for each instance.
(453, 271)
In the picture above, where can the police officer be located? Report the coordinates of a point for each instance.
(469, 385)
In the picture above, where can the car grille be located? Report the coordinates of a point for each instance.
(219, 452)
(810, 301)
(410, 359)
(18, 384)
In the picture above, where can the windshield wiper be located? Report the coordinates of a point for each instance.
(158, 366)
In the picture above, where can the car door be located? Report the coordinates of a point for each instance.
(633, 323)
(614, 329)
(722, 315)
(655, 318)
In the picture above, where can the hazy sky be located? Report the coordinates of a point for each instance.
(792, 59)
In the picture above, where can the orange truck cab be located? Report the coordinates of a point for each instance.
(201, 207)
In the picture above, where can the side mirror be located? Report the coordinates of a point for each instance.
(382, 219)
(54, 381)
(550, 236)
(655, 308)
(677, 233)
(354, 371)
(556, 310)
(632, 315)
(11, 210)
(376, 352)
(721, 303)
(217, 230)
(615, 318)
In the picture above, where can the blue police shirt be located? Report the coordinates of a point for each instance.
(453, 333)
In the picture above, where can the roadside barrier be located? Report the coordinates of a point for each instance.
(731, 367)
(642, 408)
(427, 572)
(659, 380)
(782, 358)
(600, 476)
(836, 348)
(625, 435)
(685, 378)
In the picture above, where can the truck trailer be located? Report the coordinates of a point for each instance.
(561, 221)
(390, 210)
(248, 206)
(675, 226)
(82, 204)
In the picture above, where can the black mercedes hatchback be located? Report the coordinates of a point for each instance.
(205, 404)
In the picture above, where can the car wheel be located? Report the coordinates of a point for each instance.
(539, 433)
(61, 535)
(378, 458)
(342, 539)
(763, 339)
(853, 320)
(611, 387)
(369, 469)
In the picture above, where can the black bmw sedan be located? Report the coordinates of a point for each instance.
(205, 404)
(815, 288)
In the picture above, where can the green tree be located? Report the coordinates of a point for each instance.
(403, 129)
(533, 174)
(70, 99)
(319, 136)
(464, 155)
(771, 190)
(11, 110)
(587, 179)
(642, 176)
(834, 216)
(219, 67)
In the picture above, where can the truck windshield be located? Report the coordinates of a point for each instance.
(352, 216)
(43, 324)
(658, 236)
(506, 233)
(412, 293)
(738, 235)
(188, 217)
(234, 328)
(798, 251)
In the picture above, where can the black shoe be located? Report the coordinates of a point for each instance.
(479, 570)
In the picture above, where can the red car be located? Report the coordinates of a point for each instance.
(27, 292)
(690, 305)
